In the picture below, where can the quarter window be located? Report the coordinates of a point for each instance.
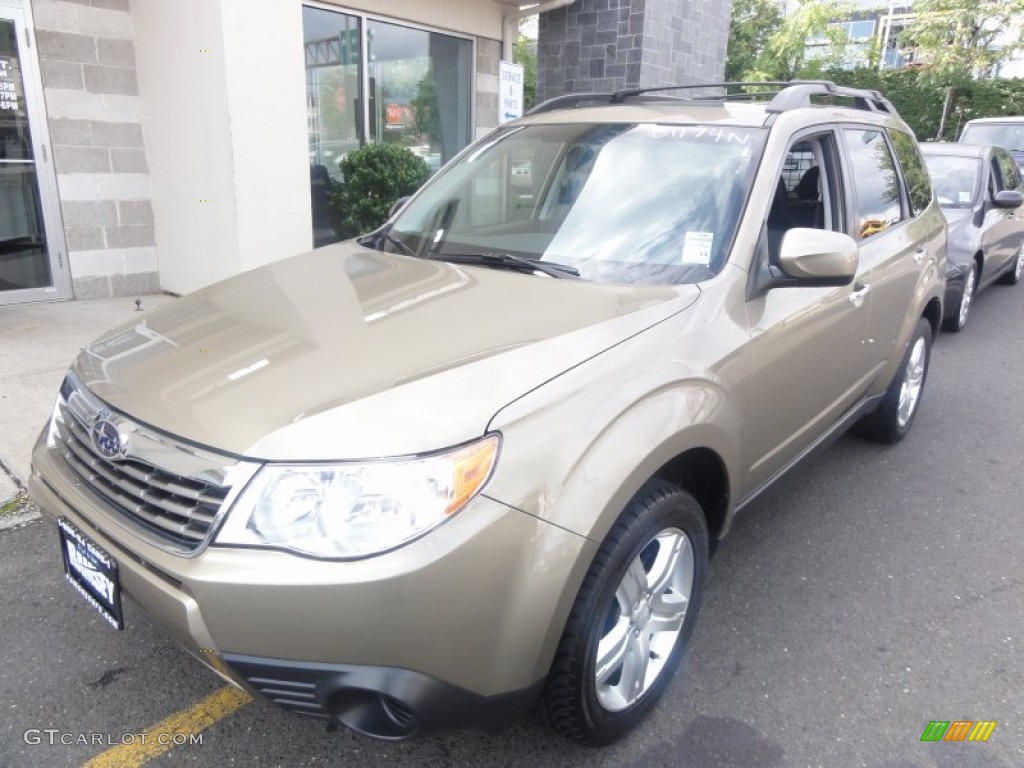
(877, 186)
(919, 186)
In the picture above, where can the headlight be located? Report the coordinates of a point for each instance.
(356, 510)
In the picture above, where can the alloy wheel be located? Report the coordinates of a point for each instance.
(644, 620)
(913, 381)
(968, 296)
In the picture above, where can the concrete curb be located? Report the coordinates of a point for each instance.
(19, 520)
(11, 492)
(9, 487)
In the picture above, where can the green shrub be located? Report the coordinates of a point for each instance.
(375, 176)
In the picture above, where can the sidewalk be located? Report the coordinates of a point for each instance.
(37, 343)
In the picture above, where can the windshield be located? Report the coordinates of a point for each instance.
(1006, 135)
(955, 179)
(621, 203)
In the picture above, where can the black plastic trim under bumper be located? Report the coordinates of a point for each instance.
(382, 702)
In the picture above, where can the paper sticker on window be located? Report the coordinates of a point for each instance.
(697, 248)
(965, 197)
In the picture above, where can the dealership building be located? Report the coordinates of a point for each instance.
(152, 145)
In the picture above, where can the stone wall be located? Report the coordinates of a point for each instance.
(608, 45)
(87, 62)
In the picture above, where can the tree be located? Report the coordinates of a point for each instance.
(784, 56)
(526, 54)
(961, 39)
(752, 23)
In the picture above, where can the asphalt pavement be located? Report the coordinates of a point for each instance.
(871, 591)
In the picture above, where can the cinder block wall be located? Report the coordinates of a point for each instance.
(87, 61)
(608, 45)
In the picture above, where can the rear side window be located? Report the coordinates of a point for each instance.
(875, 182)
(919, 185)
(1006, 135)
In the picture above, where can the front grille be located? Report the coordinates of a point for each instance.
(176, 511)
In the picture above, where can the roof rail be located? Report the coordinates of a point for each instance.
(576, 100)
(791, 94)
(800, 92)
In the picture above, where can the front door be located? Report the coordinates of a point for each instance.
(33, 264)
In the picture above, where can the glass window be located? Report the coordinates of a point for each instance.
(419, 90)
(621, 203)
(919, 186)
(1008, 170)
(874, 179)
(1005, 135)
(419, 96)
(955, 178)
(24, 261)
(861, 30)
(332, 43)
(333, 85)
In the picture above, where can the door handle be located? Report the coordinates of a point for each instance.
(860, 292)
(919, 254)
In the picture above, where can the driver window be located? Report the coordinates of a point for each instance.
(805, 191)
(994, 185)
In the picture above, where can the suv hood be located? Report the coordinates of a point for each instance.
(346, 353)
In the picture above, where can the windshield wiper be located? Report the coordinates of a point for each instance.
(508, 261)
(374, 240)
(386, 235)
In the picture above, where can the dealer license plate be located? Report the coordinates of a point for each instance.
(92, 572)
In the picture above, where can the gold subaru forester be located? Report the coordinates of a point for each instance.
(478, 458)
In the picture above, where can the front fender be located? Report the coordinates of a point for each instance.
(575, 451)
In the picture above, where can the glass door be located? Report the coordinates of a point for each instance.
(32, 262)
(333, 44)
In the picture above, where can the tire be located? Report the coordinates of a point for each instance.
(662, 536)
(1016, 274)
(958, 320)
(891, 422)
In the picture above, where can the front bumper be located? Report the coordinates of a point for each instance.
(383, 702)
(459, 623)
(956, 274)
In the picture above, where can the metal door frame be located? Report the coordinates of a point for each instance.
(46, 178)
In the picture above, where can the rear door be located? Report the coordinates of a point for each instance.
(900, 237)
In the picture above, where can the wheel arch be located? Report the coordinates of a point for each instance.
(702, 473)
(933, 314)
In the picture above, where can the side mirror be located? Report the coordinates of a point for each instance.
(818, 257)
(1008, 198)
(397, 206)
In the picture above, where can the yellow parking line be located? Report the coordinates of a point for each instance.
(193, 720)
